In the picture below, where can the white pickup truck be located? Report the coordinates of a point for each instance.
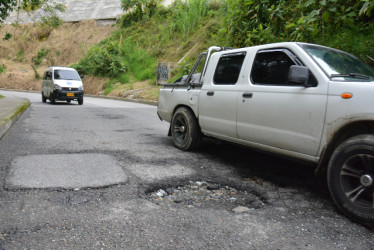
(298, 100)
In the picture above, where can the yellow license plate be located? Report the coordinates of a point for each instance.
(69, 94)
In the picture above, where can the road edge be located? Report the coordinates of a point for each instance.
(6, 122)
(143, 101)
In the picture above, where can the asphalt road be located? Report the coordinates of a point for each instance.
(88, 177)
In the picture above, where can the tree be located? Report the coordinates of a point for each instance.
(140, 9)
(6, 6)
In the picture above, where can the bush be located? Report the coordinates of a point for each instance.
(140, 10)
(252, 22)
(112, 60)
(7, 36)
(102, 60)
(40, 55)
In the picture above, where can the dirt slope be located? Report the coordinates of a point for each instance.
(66, 46)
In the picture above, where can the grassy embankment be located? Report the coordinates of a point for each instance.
(130, 55)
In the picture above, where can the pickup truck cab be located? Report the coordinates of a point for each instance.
(298, 100)
(62, 83)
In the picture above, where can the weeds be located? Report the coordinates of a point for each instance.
(2, 68)
(40, 55)
(20, 55)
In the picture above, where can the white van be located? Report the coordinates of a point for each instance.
(62, 83)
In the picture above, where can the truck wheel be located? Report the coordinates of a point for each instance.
(350, 178)
(185, 130)
(52, 98)
(43, 98)
(80, 101)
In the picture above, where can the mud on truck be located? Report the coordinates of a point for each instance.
(298, 100)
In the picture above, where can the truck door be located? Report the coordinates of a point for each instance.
(219, 94)
(274, 113)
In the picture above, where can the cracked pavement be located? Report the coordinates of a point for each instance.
(296, 212)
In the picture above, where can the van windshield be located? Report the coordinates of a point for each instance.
(66, 75)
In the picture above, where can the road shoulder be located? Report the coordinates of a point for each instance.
(11, 108)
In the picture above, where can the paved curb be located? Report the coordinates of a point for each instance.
(11, 115)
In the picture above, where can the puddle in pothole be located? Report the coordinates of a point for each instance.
(205, 194)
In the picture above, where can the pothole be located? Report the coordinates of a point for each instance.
(206, 194)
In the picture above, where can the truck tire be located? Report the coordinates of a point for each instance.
(350, 178)
(43, 98)
(80, 100)
(52, 98)
(185, 130)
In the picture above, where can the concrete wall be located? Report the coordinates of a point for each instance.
(78, 10)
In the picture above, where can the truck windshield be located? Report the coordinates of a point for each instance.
(66, 75)
(338, 64)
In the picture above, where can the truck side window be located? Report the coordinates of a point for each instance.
(228, 69)
(271, 68)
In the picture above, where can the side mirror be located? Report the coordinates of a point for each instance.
(82, 76)
(299, 75)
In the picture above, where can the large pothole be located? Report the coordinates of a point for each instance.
(205, 194)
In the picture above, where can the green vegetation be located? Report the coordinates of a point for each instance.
(347, 25)
(20, 55)
(151, 33)
(19, 111)
(40, 55)
(7, 36)
(2, 69)
(148, 35)
(141, 10)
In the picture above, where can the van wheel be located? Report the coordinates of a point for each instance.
(80, 101)
(350, 178)
(43, 98)
(52, 98)
(68, 101)
(185, 130)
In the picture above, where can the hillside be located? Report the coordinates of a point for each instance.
(65, 45)
(121, 60)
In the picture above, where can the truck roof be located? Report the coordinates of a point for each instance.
(59, 67)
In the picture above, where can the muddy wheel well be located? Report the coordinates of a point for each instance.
(346, 132)
(185, 106)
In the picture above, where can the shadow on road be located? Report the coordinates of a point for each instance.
(255, 166)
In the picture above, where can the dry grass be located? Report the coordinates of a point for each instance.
(66, 45)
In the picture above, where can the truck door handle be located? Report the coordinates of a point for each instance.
(247, 95)
(210, 93)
